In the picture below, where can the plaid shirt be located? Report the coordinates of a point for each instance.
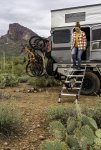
(82, 42)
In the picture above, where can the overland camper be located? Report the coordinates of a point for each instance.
(87, 80)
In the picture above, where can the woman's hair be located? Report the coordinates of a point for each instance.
(77, 24)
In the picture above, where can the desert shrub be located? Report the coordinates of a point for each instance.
(52, 82)
(60, 113)
(18, 61)
(7, 96)
(9, 117)
(43, 82)
(23, 79)
(8, 80)
(19, 69)
(13, 65)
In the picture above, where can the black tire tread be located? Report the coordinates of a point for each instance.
(95, 81)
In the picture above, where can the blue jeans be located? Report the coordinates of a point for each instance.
(76, 55)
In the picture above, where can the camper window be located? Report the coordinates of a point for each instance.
(96, 39)
(61, 36)
(96, 34)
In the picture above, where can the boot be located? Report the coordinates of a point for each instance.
(79, 67)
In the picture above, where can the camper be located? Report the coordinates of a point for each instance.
(62, 27)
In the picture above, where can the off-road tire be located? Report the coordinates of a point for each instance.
(91, 84)
(49, 67)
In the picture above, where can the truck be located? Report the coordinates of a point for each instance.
(62, 27)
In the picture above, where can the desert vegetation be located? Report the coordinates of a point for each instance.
(73, 128)
(35, 121)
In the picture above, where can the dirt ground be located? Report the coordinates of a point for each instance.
(34, 128)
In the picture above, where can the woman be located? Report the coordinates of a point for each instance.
(78, 45)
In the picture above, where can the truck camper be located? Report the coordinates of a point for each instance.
(62, 27)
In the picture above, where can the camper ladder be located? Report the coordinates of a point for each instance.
(73, 84)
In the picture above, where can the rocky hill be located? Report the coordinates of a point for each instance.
(16, 35)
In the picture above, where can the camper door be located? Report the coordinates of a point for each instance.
(61, 45)
(95, 53)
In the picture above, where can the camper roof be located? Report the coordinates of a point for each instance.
(93, 5)
(88, 14)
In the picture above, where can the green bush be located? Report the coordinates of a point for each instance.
(18, 60)
(60, 113)
(8, 80)
(23, 79)
(19, 70)
(7, 96)
(9, 117)
(43, 82)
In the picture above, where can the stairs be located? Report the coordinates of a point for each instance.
(73, 84)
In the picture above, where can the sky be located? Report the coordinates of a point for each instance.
(34, 14)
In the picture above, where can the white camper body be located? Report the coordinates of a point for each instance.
(62, 27)
(62, 24)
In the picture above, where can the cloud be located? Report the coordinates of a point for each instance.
(34, 14)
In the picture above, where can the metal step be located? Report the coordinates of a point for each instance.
(75, 75)
(65, 94)
(71, 69)
(75, 81)
(70, 74)
(74, 88)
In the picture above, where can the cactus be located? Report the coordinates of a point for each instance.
(54, 145)
(85, 131)
(98, 133)
(58, 130)
(97, 141)
(46, 145)
(84, 143)
(88, 132)
(72, 142)
(96, 147)
(89, 121)
(58, 145)
(71, 124)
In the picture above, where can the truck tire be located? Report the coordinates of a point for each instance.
(91, 84)
(49, 67)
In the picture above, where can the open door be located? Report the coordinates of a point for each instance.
(61, 45)
(95, 53)
(86, 53)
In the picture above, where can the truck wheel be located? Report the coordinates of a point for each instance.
(49, 67)
(91, 84)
